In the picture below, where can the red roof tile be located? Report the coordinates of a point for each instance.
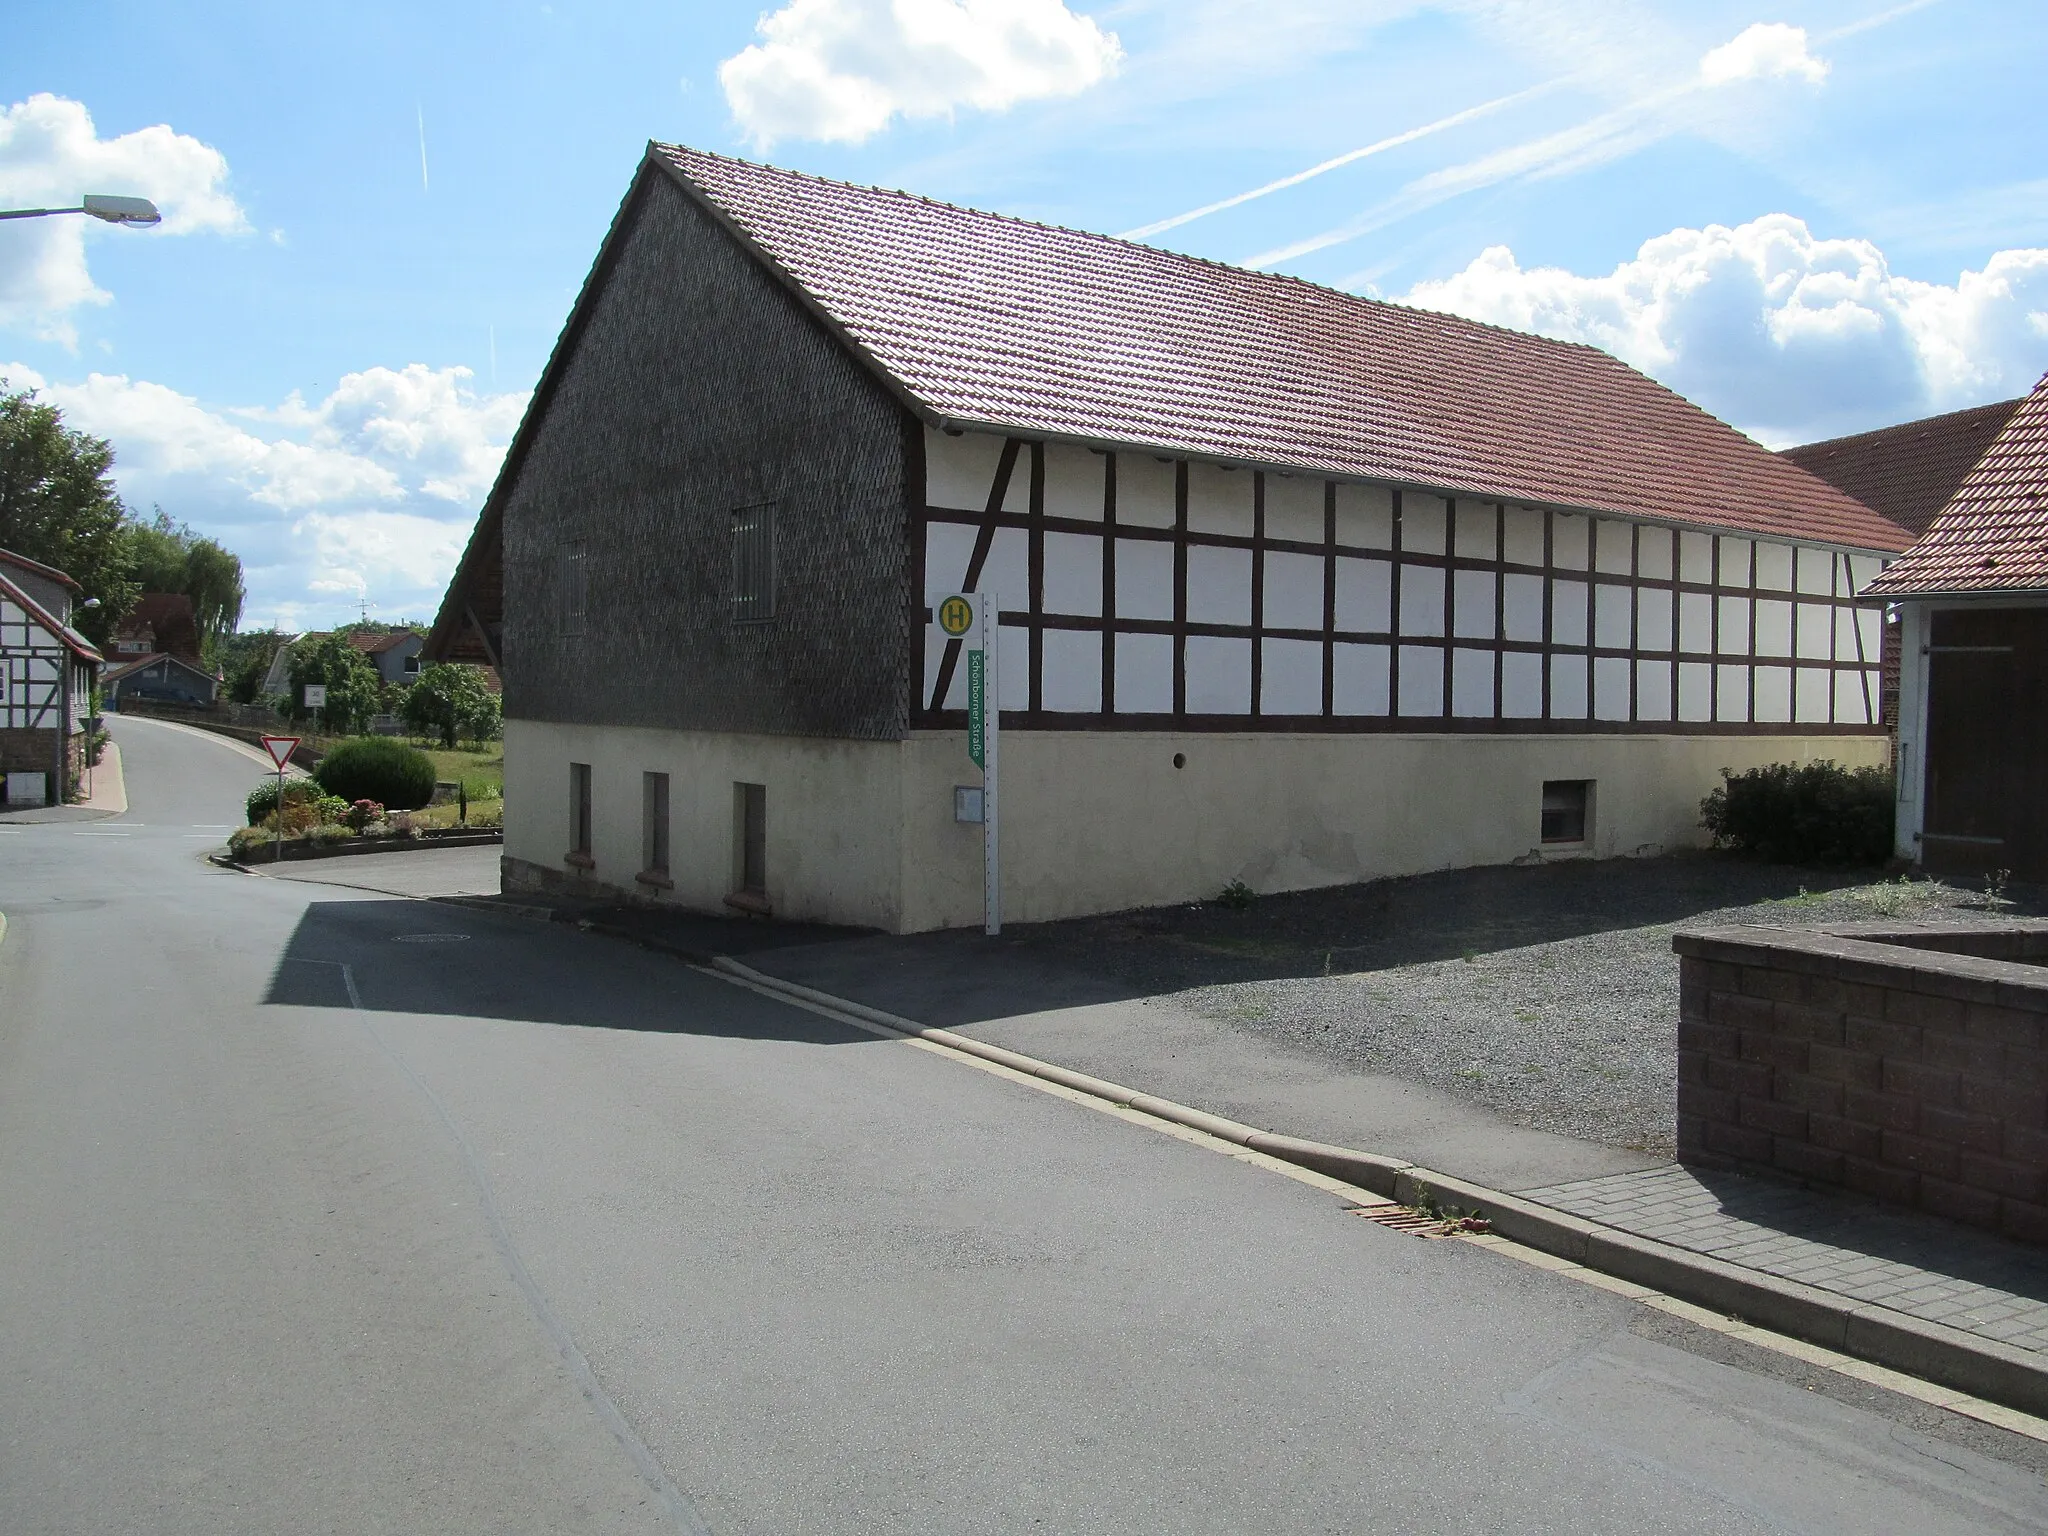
(987, 321)
(1907, 472)
(1993, 536)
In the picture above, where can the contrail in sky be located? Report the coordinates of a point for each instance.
(1607, 136)
(423, 146)
(1485, 108)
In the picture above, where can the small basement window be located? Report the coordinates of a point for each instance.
(579, 814)
(1565, 803)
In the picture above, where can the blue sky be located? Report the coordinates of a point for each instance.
(1812, 218)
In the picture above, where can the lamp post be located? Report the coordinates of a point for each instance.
(135, 212)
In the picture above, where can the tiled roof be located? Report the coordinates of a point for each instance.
(46, 621)
(1907, 472)
(1993, 536)
(987, 321)
(126, 668)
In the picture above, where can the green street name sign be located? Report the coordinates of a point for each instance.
(977, 695)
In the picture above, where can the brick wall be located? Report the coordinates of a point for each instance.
(1865, 1057)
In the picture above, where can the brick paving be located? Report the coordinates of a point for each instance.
(1914, 1263)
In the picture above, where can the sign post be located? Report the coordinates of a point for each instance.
(280, 749)
(316, 698)
(975, 618)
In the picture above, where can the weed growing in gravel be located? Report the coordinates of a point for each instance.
(1236, 896)
(1805, 898)
(1896, 898)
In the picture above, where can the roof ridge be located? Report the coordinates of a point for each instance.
(1231, 268)
(1899, 426)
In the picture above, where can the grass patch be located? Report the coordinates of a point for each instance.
(481, 769)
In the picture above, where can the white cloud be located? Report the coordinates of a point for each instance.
(1787, 335)
(841, 69)
(1768, 50)
(365, 496)
(51, 156)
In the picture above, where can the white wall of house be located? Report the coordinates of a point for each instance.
(1103, 820)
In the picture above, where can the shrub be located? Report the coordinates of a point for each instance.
(380, 769)
(262, 800)
(331, 809)
(246, 842)
(1818, 813)
(361, 814)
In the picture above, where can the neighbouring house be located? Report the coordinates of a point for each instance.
(395, 654)
(156, 656)
(1296, 587)
(160, 624)
(158, 679)
(1972, 600)
(1907, 473)
(46, 675)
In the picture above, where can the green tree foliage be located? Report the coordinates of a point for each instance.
(245, 659)
(164, 556)
(353, 686)
(451, 701)
(58, 505)
(380, 769)
(1813, 813)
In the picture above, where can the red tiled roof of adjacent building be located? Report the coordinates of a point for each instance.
(1907, 472)
(986, 321)
(373, 643)
(170, 621)
(1993, 535)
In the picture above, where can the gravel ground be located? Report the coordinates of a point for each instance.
(1576, 1036)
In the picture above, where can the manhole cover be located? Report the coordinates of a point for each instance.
(429, 938)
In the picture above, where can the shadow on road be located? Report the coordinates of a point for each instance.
(427, 958)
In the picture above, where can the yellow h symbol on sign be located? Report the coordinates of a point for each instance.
(956, 616)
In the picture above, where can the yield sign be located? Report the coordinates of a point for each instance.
(280, 749)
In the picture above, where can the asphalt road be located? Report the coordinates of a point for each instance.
(322, 1210)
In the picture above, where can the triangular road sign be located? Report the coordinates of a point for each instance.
(280, 749)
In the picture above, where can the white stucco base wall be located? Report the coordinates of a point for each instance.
(1099, 821)
(834, 817)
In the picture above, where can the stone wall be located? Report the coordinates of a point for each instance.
(1906, 1062)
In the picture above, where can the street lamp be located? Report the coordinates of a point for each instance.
(135, 212)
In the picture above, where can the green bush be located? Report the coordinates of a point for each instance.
(1818, 813)
(263, 798)
(378, 768)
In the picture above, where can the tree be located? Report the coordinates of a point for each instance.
(352, 683)
(164, 556)
(245, 659)
(58, 505)
(450, 701)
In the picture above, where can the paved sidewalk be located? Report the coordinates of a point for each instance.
(1938, 1271)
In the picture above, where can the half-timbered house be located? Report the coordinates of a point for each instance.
(46, 674)
(1296, 587)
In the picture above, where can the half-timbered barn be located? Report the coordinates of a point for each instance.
(46, 674)
(1296, 587)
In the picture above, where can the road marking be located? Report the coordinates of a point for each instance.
(1995, 1414)
(429, 938)
(678, 1504)
(99, 834)
(207, 826)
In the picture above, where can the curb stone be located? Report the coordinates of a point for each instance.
(1949, 1357)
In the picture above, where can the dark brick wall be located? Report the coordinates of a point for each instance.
(698, 384)
(1859, 1058)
